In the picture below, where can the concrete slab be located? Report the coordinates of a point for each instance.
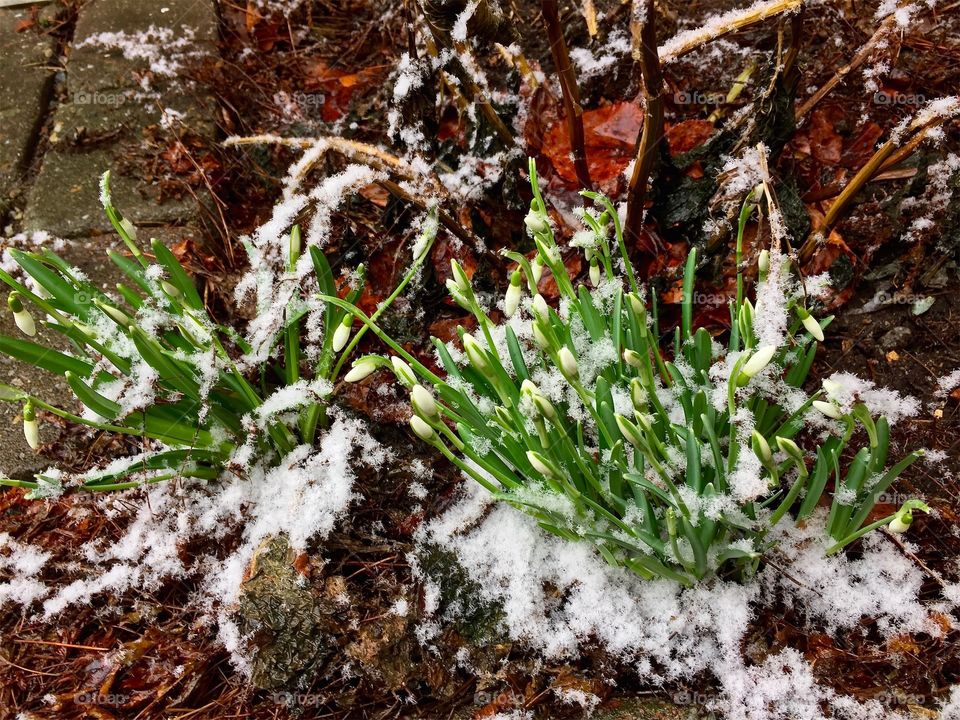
(26, 80)
(124, 75)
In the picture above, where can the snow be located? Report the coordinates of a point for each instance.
(301, 499)
(847, 389)
(560, 598)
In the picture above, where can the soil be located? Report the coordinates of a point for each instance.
(148, 655)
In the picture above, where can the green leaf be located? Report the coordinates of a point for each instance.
(43, 357)
(102, 406)
(177, 275)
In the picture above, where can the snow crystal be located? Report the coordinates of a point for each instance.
(847, 389)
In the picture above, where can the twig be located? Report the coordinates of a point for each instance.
(894, 148)
(374, 157)
(688, 41)
(862, 54)
(644, 29)
(569, 89)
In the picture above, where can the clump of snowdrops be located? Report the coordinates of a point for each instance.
(150, 362)
(674, 468)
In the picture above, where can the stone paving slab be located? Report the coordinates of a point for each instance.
(124, 72)
(26, 80)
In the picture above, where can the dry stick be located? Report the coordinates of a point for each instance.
(686, 42)
(569, 90)
(468, 87)
(370, 155)
(880, 161)
(862, 54)
(648, 148)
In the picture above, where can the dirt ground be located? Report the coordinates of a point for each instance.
(142, 655)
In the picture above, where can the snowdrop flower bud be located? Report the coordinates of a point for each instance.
(540, 338)
(342, 334)
(475, 354)
(763, 261)
(568, 363)
(828, 409)
(421, 428)
(761, 448)
(540, 308)
(423, 403)
(536, 269)
(545, 407)
(512, 298)
(632, 358)
(31, 431)
(535, 222)
(630, 431)
(638, 396)
(129, 228)
(541, 464)
(758, 361)
(791, 449)
(403, 372)
(118, 316)
(900, 525)
(361, 368)
(832, 388)
(810, 323)
(170, 289)
(904, 518)
(460, 276)
(594, 271)
(644, 421)
(21, 316)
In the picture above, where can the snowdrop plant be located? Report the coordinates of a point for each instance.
(673, 464)
(150, 362)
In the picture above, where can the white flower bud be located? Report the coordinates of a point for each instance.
(898, 526)
(342, 334)
(758, 361)
(31, 431)
(810, 323)
(828, 409)
(21, 316)
(361, 368)
(638, 396)
(421, 428)
(832, 388)
(536, 223)
(568, 363)
(536, 269)
(594, 272)
(763, 261)
(118, 316)
(541, 464)
(476, 354)
(403, 372)
(540, 308)
(512, 299)
(423, 403)
(540, 338)
(632, 358)
(761, 448)
(460, 277)
(630, 431)
(129, 228)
